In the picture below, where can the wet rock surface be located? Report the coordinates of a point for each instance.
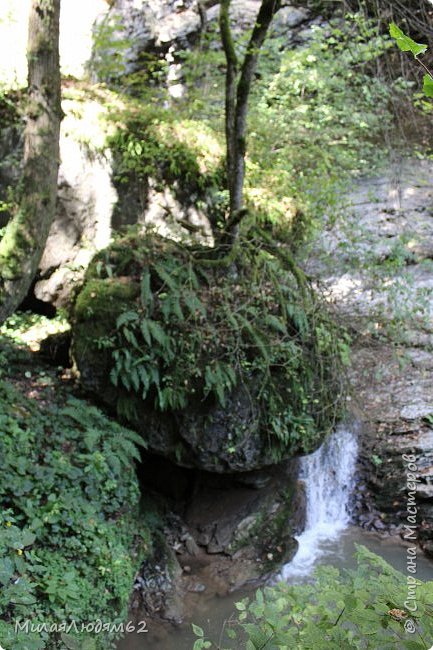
(375, 264)
(221, 535)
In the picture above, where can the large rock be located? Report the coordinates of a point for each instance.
(85, 200)
(206, 434)
(160, 26)
(205, 387)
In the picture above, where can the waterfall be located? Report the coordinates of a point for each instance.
(329, 480)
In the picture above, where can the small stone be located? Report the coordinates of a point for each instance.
(191, 546)
(187, 569)
(270, 556)
(425, 491)
(197, 588)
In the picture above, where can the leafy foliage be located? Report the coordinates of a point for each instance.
(406, 44)
(69, 496)
(328, 114)
(154, 143)
(360, 608)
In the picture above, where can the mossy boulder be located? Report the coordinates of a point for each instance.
(98, 305)
(223, 371)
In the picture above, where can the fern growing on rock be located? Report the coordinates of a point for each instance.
(221, 371)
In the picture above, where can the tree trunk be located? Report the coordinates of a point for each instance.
(25, 236)
(238, 88)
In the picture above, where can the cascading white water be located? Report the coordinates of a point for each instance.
(329, 476)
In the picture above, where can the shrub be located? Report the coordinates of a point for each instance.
(363, 608)
(69, 508)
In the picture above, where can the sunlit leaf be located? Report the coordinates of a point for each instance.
(428, 85)
(405, 43)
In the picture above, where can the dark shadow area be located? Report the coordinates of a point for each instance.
(36, 306)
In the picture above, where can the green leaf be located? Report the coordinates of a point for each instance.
(146, 296)
(114, 376)
(194, 304)
(28, 538)
(135, 379)
(6, 570)
(177, 309)
(145, 380)
(126, 317)
(275, 323)
(165, 277)
(197, 630)
(130, 449)
(428, 85)
(144, 326)
(158, 333)
(405, 43)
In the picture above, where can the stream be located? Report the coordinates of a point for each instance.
(328, 538)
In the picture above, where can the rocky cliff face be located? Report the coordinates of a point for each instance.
(161, 29)
(376, 264)
(85, 201)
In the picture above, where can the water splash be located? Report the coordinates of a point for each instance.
(329, 476)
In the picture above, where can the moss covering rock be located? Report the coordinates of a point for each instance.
(223, 370)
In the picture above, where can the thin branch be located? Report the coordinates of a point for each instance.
(429, 72)
(267, 10)
(226, 33)
(203, 17)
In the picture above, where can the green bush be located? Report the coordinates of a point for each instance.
(329, 107)
(329, 115)
(362, 608)
(154, 143)
(69, 507)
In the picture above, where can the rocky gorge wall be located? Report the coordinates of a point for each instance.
(376, 264)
